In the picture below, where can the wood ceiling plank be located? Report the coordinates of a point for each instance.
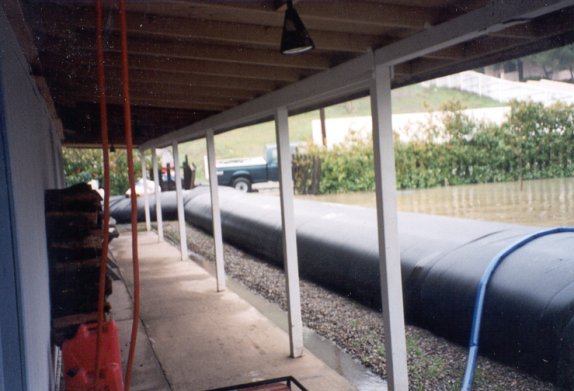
(191, 51)
(337, 11)
(164, 78)
(231, 54)
(364, 16)
(488, 45)
(151, 88)
(59, 56)
(146, 101)
(451, 53)
(149, 118)
(64, 19)
(194, 97)
(365, 13)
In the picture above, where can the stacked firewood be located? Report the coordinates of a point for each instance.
(74, 235)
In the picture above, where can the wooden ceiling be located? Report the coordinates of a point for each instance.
(192, 59)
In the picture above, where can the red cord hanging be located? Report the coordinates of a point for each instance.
(129, 147)
(105, 149)
(106, 163)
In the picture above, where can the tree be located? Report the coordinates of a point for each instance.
(565, 59)
(546, 60)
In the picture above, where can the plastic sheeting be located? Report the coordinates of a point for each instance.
(529, 311)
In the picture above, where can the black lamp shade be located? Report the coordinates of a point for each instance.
(295, 38)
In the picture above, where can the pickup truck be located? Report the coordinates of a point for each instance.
(243, 173)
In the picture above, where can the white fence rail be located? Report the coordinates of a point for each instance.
(544, 91)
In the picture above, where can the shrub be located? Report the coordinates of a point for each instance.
(535, 142)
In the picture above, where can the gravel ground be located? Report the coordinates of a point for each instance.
(433, 363)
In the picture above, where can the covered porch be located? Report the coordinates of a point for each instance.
(195, 338)
(219, 63)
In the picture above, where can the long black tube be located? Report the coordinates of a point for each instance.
(481, 293)
(529, 316)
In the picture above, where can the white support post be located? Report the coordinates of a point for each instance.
(289, 235)
(156, 178)
(145, 195)
(215, 212)
(389, 254)
(179, 193)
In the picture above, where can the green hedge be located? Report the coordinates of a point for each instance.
(535, 142)
(82, 165)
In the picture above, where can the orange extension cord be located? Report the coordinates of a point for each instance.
(129, 146)
(106, 161)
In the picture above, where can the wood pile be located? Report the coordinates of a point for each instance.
(74, 235)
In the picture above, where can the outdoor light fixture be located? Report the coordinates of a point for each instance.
(295, 38)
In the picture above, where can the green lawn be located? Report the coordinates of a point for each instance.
(250, 141)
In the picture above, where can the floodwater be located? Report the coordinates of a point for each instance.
(544, 202)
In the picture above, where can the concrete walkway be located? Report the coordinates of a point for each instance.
(194, 338)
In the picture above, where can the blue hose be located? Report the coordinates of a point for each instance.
(479, 303)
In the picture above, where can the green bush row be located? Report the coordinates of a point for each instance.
(83, 165)
(535, 142)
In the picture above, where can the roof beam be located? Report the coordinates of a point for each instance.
(495, 16)
(500, 45)
(425, 69)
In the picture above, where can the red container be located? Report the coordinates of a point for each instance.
(79, 356)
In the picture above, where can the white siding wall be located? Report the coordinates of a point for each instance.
(30, 163)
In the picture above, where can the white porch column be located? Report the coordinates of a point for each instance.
(158, 214)
(179, 193)
(291, 265)
(389, 254)
(145, 195)
(215, 212)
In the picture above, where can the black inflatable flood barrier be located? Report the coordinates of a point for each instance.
(529, 310)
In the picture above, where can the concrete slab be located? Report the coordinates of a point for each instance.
(147, 374)
(204, 339)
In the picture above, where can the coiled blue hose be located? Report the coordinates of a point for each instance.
(481, 291)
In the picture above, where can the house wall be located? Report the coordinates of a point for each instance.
(28, 161)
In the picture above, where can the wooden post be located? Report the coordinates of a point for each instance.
(215, 212)
(289, 235)
(156, 179)
(179, 194)
(323, 126)
(389, 254)
(145, 195)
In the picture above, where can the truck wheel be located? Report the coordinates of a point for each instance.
(242, 184)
